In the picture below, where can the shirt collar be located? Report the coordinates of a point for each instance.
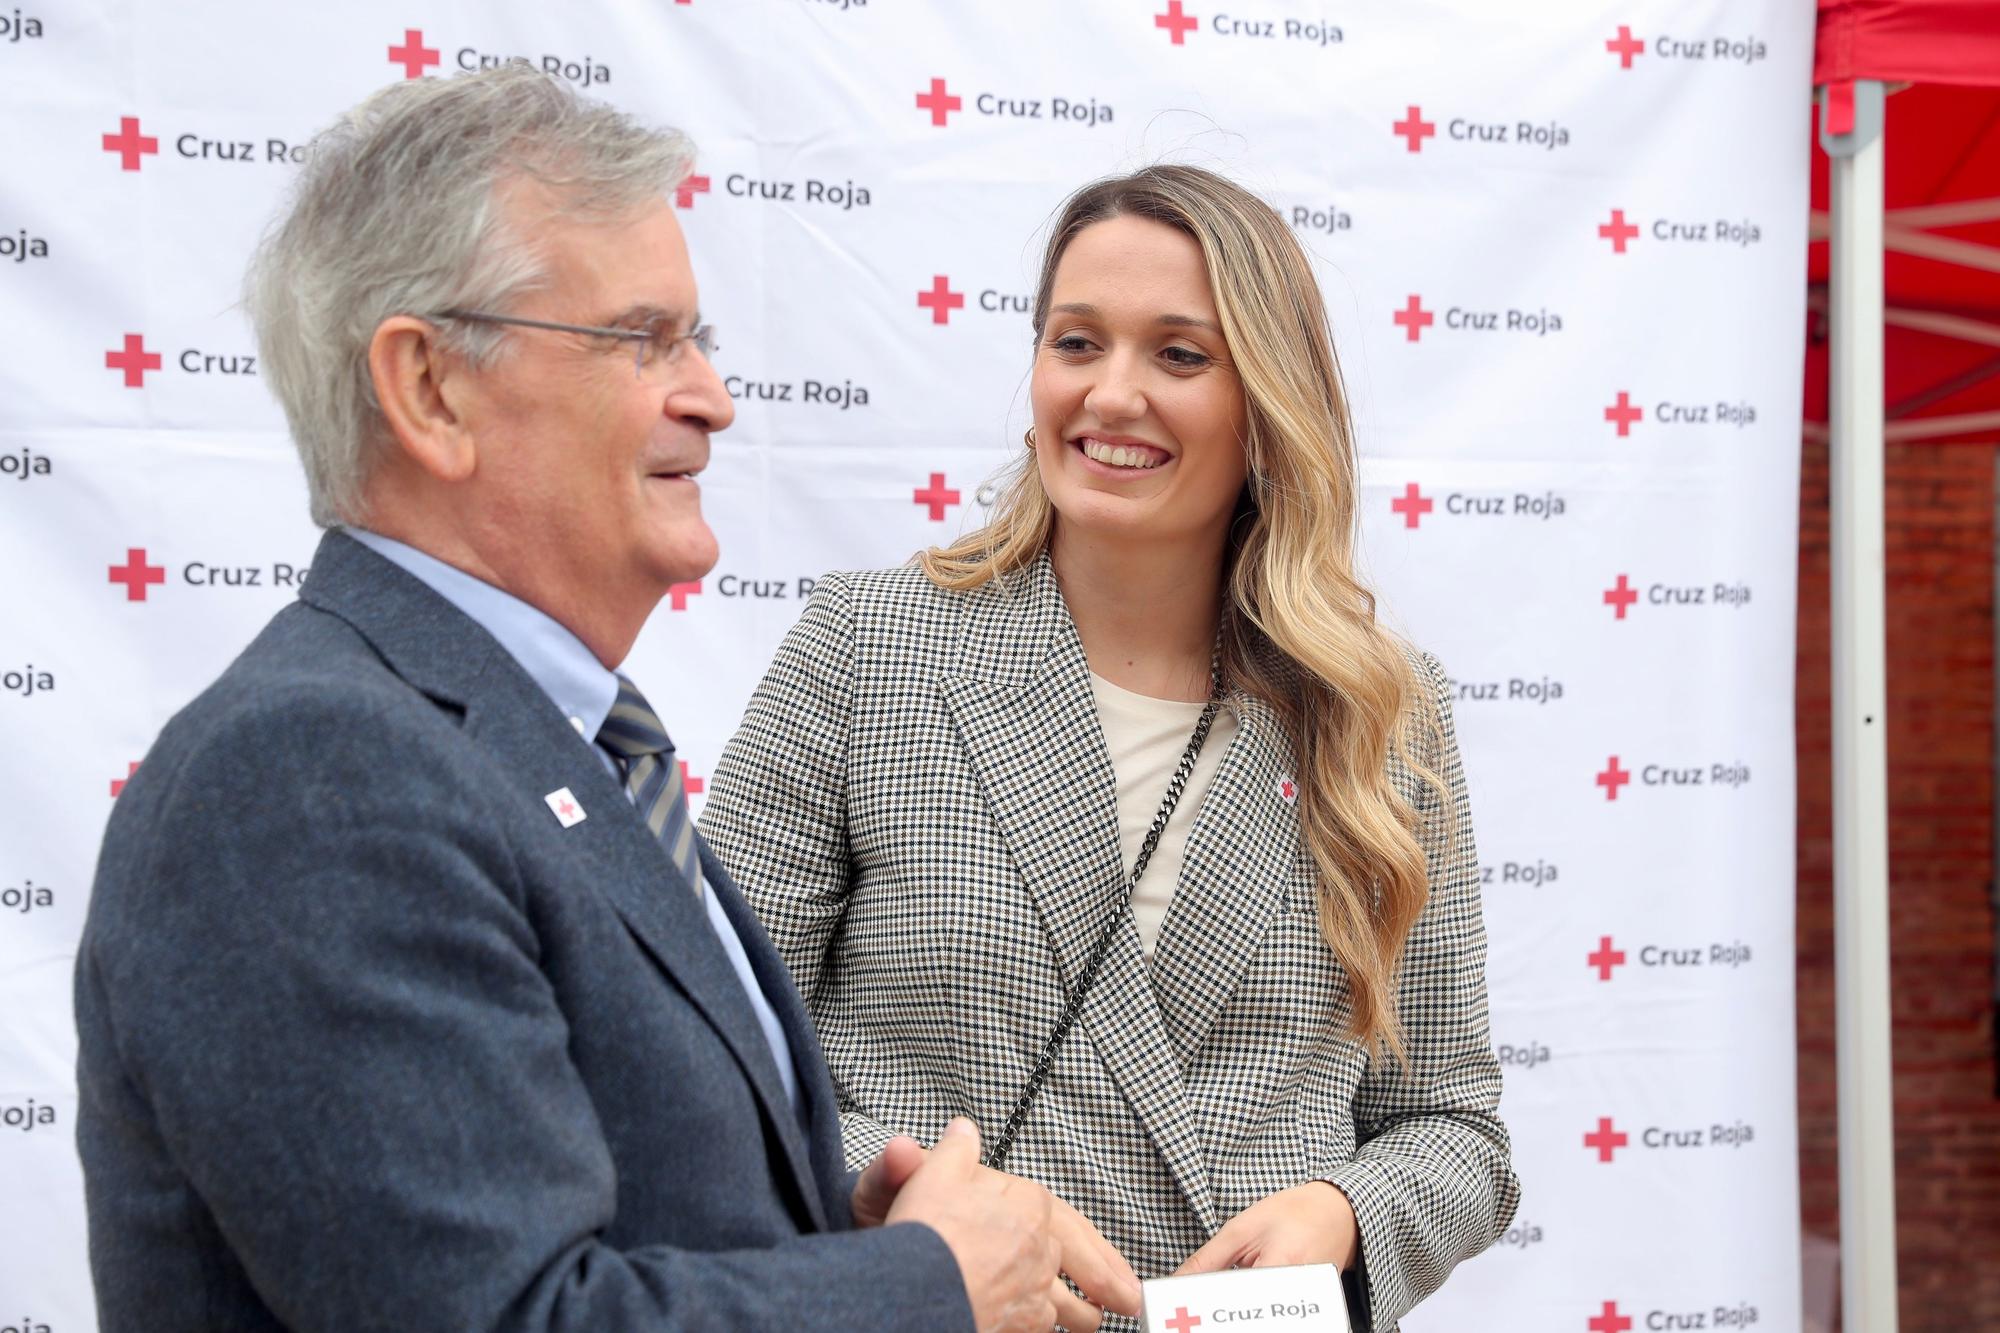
(555, 659)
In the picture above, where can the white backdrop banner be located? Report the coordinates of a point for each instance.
(1563, 245)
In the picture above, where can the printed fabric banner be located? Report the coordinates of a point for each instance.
(1563, 245)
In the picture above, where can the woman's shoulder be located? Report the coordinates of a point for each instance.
(876, 610)
(894, 584)
(906, 591)
(1425, 669)
(898, 592)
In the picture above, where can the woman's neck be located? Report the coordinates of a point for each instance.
(1146, 612)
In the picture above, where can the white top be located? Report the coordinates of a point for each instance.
(1147, 737)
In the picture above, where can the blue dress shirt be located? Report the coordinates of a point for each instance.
(584, 689)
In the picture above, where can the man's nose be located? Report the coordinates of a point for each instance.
(700, 397)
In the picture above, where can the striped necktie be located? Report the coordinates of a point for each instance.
(633, 733)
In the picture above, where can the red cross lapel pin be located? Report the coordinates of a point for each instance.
(567, 812)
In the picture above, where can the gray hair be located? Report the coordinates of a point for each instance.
(397, 212)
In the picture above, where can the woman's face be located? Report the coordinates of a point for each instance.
(1139, 414)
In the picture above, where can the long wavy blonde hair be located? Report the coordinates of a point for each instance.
(1298, 629)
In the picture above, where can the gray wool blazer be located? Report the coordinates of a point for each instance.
(922, 804)
(369, 1040)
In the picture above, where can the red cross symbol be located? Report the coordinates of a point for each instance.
(1620, 597)
(941, 300)
(680, 592)
(135, 360)
(1623, 415)
(1617, 231)
(1412, 505)
(566, 808)
(1182, 1320)
(118, 784)
(1415, 129)
(691, 785)
(1625, 46)
(1610, 1321)
(413, 55)
(936, 496)
(1415, 319)
(136, 574)
(1606, 1140)
(939, 102)
(1178, 26)
(1605, 958)
(1612, 778)
(1288, 790)
(685, 192)
(129, 144)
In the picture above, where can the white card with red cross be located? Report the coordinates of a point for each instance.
(1303, 1298)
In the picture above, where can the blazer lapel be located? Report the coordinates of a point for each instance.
(1022, 704)
(625, 862)
(447, 655)
(1240, 856)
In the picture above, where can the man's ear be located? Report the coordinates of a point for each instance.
(420, 389)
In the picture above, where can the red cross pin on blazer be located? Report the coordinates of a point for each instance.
(1288, 791)
(568, 813)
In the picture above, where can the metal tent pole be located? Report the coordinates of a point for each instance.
(1860, 753)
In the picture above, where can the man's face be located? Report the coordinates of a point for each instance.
(585, 462)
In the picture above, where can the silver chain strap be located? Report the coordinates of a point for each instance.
(1003, 1143)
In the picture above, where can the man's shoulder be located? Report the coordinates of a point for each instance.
(307, 669)
(307, 705)
(308, 762)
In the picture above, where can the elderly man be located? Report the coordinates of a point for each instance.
(409, 998)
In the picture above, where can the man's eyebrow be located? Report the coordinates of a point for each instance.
(643, 316)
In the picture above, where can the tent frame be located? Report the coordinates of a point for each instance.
(1860, 750)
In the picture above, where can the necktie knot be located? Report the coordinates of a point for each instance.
(632, 729)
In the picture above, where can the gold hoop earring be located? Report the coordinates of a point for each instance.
(1029, 438)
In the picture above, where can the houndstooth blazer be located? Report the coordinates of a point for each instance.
(921, 808)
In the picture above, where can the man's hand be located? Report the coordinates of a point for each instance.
(996, 1226)
(884, 1179)
(1089, 1260)
(1311, 1223)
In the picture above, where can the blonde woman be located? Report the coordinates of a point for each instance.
(1272, 1047)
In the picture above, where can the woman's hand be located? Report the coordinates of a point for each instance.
(1311, 1223)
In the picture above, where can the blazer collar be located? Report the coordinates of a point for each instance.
(450, 658)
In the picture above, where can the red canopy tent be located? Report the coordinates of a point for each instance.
(1941, 196)
(1904, 344)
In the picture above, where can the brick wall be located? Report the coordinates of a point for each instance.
(1940, 615)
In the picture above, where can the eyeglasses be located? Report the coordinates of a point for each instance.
(655, 345)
